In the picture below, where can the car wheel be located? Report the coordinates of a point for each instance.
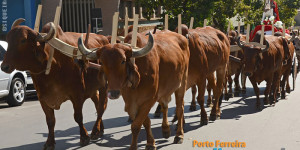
(16, 96)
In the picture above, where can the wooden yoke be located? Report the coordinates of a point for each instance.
(114, 28)
(179, 24)
(191, 23)
(38, 18)
(205, 23)
(166, 21)
(56, 22)
(134, 35)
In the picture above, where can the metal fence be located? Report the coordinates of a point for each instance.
(76, 15)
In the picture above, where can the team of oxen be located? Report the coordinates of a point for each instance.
(162, 63)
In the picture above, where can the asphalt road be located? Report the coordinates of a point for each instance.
(273, 128)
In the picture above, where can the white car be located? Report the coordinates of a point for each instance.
(13, 86)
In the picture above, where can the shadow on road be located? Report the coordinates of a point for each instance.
(65, 138)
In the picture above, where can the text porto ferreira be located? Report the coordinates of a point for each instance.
(219, 145)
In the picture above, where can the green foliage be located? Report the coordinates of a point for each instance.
(250, 11)
(288, 10)
(217, 12)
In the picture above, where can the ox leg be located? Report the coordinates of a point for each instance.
(50, 118)
(100, 104)
(150, 139)
(237, 87)
(137, 123)
(201, 91)
(275, 84)
(229, 94)
(179, 95)
(216, 112)
(243, 82)
(84, 137)
(193, 103)
(256, 90)
(230, 81)
(165, 124)
(267, 91)
(157, 111)
(210, 85)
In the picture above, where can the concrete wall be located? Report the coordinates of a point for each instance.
(108, 9)
(48, 12)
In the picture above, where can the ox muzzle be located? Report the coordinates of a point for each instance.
(113, 94)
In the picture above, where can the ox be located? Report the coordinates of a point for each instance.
(209, 52)
(145, 76)
(265, 64)
(286, 68)
(27, 50)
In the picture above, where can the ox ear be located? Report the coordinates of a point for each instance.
(133, 76)
(40, 53)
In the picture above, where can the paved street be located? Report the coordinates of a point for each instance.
(272, 128)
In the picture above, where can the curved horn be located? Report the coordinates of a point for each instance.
(49, 35)
(235, 59)
(239, 42)
(140, 52)
(91, 55)
(17, 22)
(267, 47)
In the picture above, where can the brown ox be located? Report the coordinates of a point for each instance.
(287, 67)
(153, 77)
(209, 52)
(264, 64)
(235, 67)
(27, 51)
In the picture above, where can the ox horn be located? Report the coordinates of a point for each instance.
(140, 52)
(17, 22)
(85, 51)
(267, 47)
(235, 59)
(239, 42)
(49, 35)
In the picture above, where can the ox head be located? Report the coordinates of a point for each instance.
(25, 48)
(117, 65)
(252, 56)
(184, 30)
(232, 37)
(296, 41)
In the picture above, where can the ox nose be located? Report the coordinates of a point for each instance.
(113, 94)
(248, 74)
(4, 67)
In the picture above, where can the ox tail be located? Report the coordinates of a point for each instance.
(286, 49)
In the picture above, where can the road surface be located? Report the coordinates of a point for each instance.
(273, 128)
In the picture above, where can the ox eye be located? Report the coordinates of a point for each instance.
(100, 63)
(123, 62)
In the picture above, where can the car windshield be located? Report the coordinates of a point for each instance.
(2, 52)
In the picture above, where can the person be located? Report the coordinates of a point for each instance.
(271, 9)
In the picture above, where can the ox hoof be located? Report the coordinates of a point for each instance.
(97, 135)
(237, 94)
(193, 108)
(49, 147)
(214, 117)
(203, 122)
(175, 118)
(150, 147)
(288, 90)
(166, 134)
(178, 140)
(84, 141)
(244, 91)
(283, 95)
(266, 101)
(228, 96)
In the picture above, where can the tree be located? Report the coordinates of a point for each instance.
(288, 10)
